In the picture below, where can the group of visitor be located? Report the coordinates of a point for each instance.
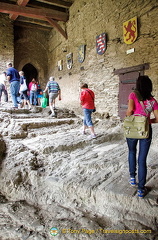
(27, 95)
(87, 99)
(21, 93)
(144, 88)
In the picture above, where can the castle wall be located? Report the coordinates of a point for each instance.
(89, 19)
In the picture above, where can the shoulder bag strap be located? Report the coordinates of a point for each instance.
(145, 110)
(140, 99)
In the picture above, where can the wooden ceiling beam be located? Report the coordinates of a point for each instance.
(32, 21)
(58, 3)
(43, 5)
(57, 26)
(34, 25)
(33, 12)
(20, 3)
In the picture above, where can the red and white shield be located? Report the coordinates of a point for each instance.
(101, 43)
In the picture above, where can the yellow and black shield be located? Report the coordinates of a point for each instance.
(130, 30)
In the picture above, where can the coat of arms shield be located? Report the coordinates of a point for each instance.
(69, 60)
(81, 53)
(101, 43)
(60, 65)
(130, 30)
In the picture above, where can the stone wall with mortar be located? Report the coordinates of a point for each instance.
(6, 45)
(31, 46)
(89, 19)
(6, 42)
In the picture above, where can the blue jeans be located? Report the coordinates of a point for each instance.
(14, 91)
(144, 145)
(87, 117)
(33, 98)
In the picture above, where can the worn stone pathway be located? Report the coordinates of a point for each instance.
(53, 176)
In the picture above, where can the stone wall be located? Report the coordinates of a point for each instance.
(6, 42)
(89, 19)
(31, 46)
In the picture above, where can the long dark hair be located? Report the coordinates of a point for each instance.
(144, 86)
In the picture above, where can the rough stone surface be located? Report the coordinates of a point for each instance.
(31, 46)
(50, 174)
(89, 19)
(6, 41)
(53, 176)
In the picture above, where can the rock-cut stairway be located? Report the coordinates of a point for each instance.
(53, 176)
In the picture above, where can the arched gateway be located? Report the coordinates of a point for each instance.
(30, 72)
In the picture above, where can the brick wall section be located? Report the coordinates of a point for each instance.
(88, 19)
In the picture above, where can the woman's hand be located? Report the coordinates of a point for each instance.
(130, 109)
(155, 120)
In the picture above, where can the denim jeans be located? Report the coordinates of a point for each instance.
(144, 145)
(33, 98)
(87, 117)
(14, 91)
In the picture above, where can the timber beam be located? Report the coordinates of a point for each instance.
(33, 12)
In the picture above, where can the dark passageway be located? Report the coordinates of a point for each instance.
(30, 72)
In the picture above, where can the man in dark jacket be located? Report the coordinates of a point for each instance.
(14, 80)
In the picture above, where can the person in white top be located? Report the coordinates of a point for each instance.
(3, 87)
(23, 91)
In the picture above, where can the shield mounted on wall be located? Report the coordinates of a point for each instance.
(60, 65)
(130, 31)
(69, 60)
(81, 53)
(101, 43)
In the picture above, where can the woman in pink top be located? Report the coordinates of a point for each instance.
(87, 101)
(33, 92)
(142, 93)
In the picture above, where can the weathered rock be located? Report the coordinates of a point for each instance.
(55, 177)
(2, 149)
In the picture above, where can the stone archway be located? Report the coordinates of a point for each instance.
(30, 72)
